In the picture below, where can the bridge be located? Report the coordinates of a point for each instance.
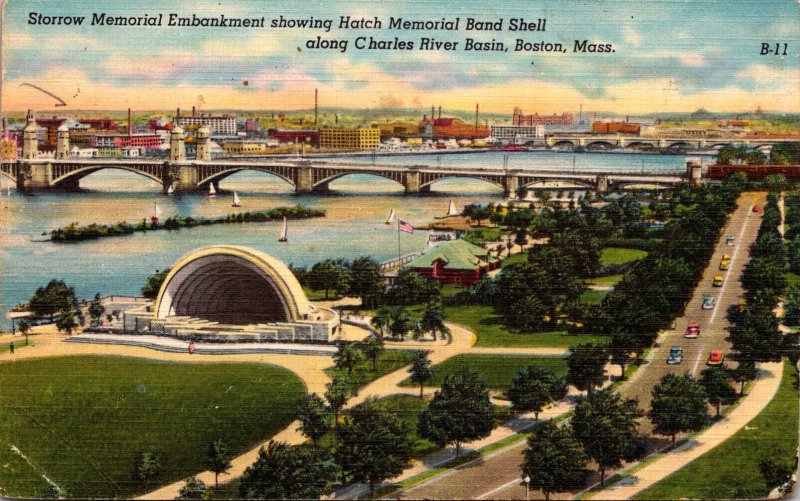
(589, 141)
(61, 172)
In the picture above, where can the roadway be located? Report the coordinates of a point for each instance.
(497, 476)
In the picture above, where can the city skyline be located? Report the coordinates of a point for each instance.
(661, 63)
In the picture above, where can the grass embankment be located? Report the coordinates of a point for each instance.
(84, 421)
(731, 468)
(76, 233)
(618, 255)
(362, 374)
(491, 332)
(496, 370)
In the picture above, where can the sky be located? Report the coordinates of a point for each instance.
(669, 56)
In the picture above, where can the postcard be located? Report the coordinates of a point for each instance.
(405, 250)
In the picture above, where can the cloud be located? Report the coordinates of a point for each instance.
(631, 36)
(693, 60)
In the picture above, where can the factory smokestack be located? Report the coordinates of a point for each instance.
(476, 119)
(130, 128)
(316, 106)
(178, 112)
(433, 113)
(440, 112)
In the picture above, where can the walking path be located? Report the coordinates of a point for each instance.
(761, 393)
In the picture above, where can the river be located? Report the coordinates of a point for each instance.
(353, 226)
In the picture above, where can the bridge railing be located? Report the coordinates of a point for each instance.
(398, 262)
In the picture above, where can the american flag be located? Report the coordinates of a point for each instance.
(404, 226)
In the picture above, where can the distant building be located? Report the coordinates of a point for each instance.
(8, 148)
(252, 125)
(529, 120)
(397, 129)
(245, 147)
(147, 141)
(616, 128)
(308, 136)
(219, 125)
(451, 128)
(455, 262)
(517, 134)
(358, 138)
(99, 123)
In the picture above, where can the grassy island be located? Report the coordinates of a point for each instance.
(76, 233)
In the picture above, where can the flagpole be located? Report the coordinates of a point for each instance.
(399, 260)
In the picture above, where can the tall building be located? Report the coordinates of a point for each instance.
(219, 125)
(517, 134)
(519, 119)
(251, 125)
(349, 137)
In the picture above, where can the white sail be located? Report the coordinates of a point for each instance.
(285, 232)
(236, 201)
(211, 191)
(156, 211)
(170, 190)
(451, 209)
(390, 219)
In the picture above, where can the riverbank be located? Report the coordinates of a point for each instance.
(76, 233)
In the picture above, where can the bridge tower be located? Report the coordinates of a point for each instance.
(177, 152)
(62, 142)
(694, 172)
(510, 184)
(203, 150)
(30, 146)
(601, 184)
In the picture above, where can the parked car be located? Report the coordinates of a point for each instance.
(717, 281)
(692, 331)
(675, 355)
(756, 208)
(724, 264)
(715, 358)
(708, 302)
(730, 240)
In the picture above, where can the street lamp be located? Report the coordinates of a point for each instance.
(527, 487)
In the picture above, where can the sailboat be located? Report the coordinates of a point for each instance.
(156, 213)
(212, 193)
(170, 190)
(285, 231)
(236, 201)
(451, 209)
(390, 219)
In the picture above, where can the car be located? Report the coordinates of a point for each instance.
(756, 208)
(692, 331)
(708, 302)
(724, 264)
(726, 257)
(730, 240)
(675, 355)
(715, 358)
(717, 281)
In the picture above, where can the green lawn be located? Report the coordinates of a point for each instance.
(792, 279)
(520, 257)
(362, 374)
(593, 297)
(491, 332)
(496, 370)
(83, 421)
(619, 255)
(732, 467)
(608, 279)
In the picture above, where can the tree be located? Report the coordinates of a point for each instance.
(401, 322)
(714, 381)
(534, 387)
(153, 283)
(54, 297)
(25, 329)
(67, 322)
(193, 489)
(791, 306)
(554, 460)
(366, 281)
(148, 467)
(289, 472)
(374, 444)
(337, 393)
(96, 310)
(678, 405)
(433, 319)
(348, 356)
(460, 412)
(775, 474)
(382, 320)
(218, 459)
(372, 347)
(621, 346)
(412, 288)
(586, 366)
(525, 314)
(313, 417)
(791, 347)
(329, 275)
(605, 425)
(420, 370)
(745, 371)
(52, 491)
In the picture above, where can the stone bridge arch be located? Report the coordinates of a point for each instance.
(219, 174)
(323, 177)
(69, 175)
(429, 180)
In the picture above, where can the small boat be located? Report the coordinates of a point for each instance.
(285, 231)
(156, 212)
(451, 209)
(212, 193)
(390, 219)
(236, 201)
(170, 190)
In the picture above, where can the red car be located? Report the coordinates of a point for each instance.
(715, 358)
(692, 331)
(756, 208)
